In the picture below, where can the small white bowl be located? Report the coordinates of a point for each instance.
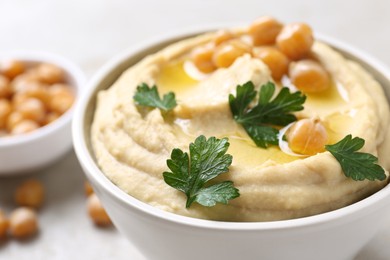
(32, 151)
(336, 235)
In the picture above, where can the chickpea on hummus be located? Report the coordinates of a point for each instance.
(132, 144)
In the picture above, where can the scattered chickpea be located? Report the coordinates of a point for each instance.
(275, 44)
(50, 73)
(307, 136)
(276, 61)
(264, 30)
(23, 223)
(202, 59)
(272, 42)
(309, 76)
(295, 40)
(97, 212)
(88, 188)
(4, 224)
(226, 53)
(30, 193)
(11, 68)
(222, 36)
(24, 126)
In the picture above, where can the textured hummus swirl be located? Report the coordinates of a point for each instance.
(131, 146)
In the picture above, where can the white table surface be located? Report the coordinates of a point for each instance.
(90, 32)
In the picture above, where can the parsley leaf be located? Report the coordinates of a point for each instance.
(258, 120)
(190, 174)
(148, 96)
(356, 165)
(262, 135)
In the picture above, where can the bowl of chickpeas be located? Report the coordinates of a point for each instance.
(37, 93)
(173, 236)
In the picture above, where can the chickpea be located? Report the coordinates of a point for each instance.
(61, 103)
(36, 90)
(88, 188)
(307, 136)
(24, 126)
(50, 73)
(13, 119)
(226, 53)
(295, 40)
(264, 30)
(96, 211)
(276, 61)
(5, 87)
(30, 193)
(309, 76)
(222, 36)
(24, 80)
(31, 96)
(202, 58)
(4, 224)
(33, 109)
(23, 223)
(18, 99)
(60, 89)
(11, 68)
(5, 111)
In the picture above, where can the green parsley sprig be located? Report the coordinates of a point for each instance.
(192, 173)
(149, 96)
(356, 165)
(259, 120)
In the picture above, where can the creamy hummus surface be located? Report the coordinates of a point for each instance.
(132, 144)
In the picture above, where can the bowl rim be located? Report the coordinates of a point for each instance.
(72, 70)
(97, 177)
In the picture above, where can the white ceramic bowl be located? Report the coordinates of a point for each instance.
(29, 152)
(335, 235)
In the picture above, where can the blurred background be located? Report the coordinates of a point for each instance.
(91, 32)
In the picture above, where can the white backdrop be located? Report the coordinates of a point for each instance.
(90, 32)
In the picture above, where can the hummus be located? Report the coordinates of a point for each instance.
(132, 145)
